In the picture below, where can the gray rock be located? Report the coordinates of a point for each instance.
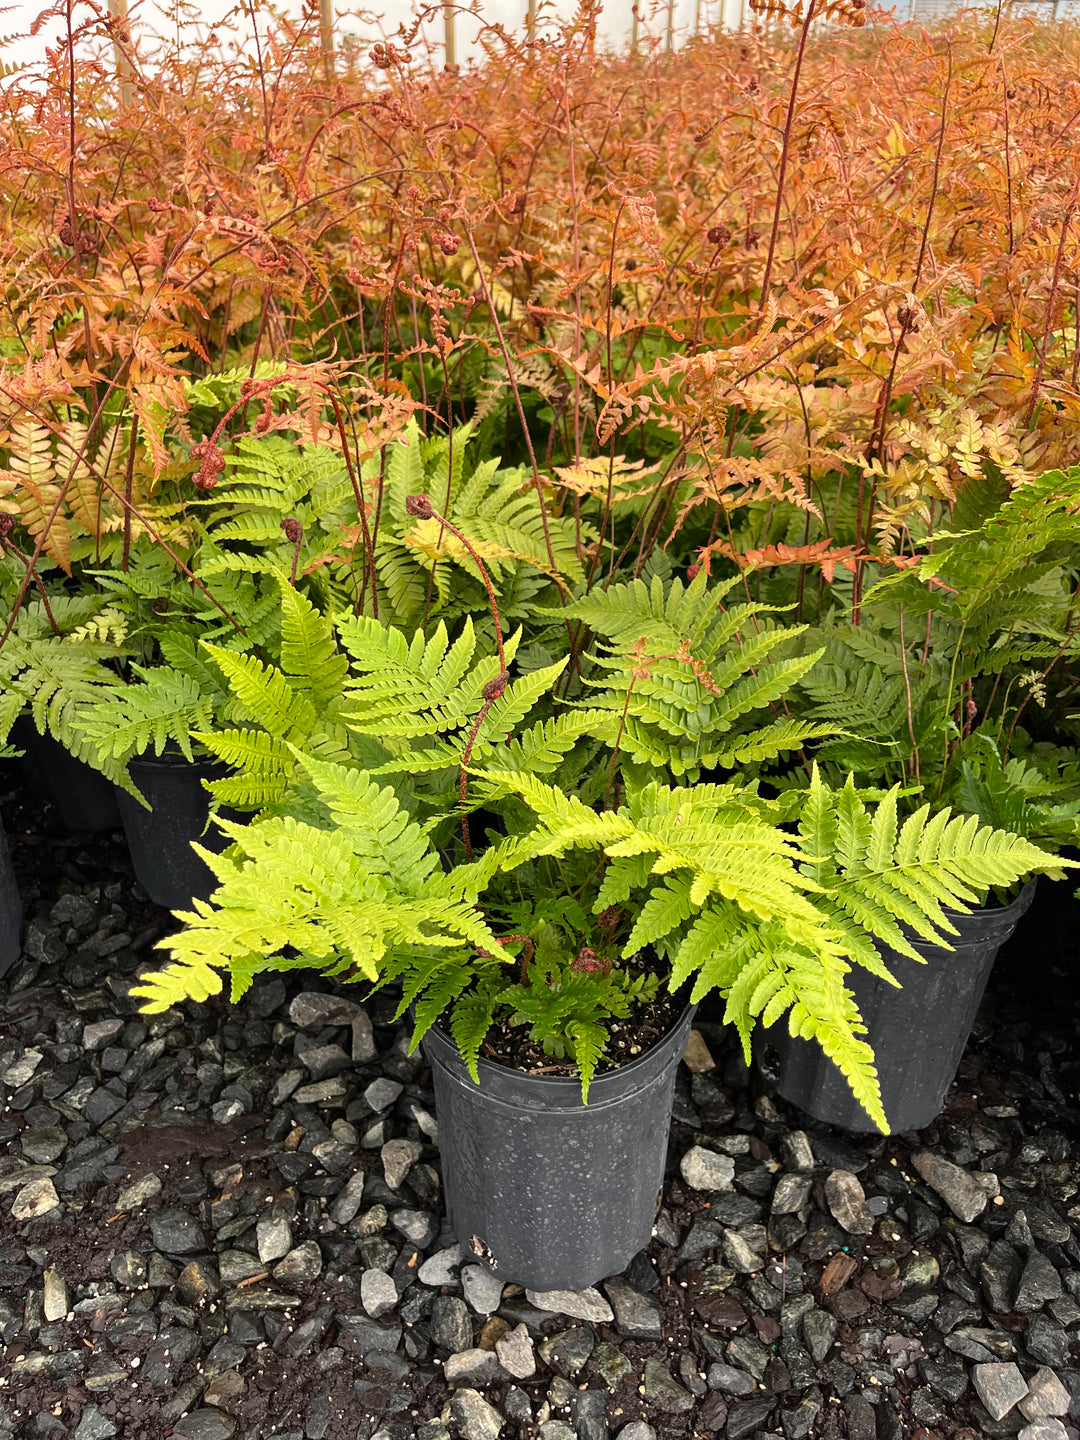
(99, 1033)
(1000, 1270)
(322, 1092)
(706, 1170)
(740, 1255)
(378, 1293)
(567, 1352)
(577, 1304)
(176, 1232)
(556, 1430)
(1047, 1342)
(349, 1200)
(299, 1265)
(611, 1364)
(819, 1332)
(748, 1416)
(284, 1086)
(43, 1143)
(324, 1061)
(441, 1268)
(236, 1266)
(382, 1093)
(482, 1289)
(451, 1327)
(516, 1353)
(198, 1282)
(964, 1197)
(664, 1391)
(636, 1316)
(128, 1269)
(1044, 1429)
(137, 1193)
(791, 1194)
(999, 1387)
(473, 1367)
(93, 1425)
(273, 1234)
(21, 1070)
(1046, 1396)
(921, 1271)
(419, 1226)
(730, 1380)
(55, 1295)
(205, 1425)
(311, 1010)
(363, 1040)
(636, 1430)
(74, 910)
(36, 1198)
(588, 1411)
(749, 1354)
(846, 1199)
(1039, 1282)
(796, 1152)
(398, 1156)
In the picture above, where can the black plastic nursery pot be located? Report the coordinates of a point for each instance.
(10, 909)
(83, 798)
(917, 1033)
(547, 1192)
(160, 838)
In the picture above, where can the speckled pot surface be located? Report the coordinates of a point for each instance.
(918, 1033)
(83, 798)
(159, 839)
(547, 1192)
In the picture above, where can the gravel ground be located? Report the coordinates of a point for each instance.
(226, 1221)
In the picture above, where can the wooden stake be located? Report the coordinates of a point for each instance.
(121, 43)
(449, 38)
(326, 36)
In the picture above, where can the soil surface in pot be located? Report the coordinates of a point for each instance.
(629, 1039)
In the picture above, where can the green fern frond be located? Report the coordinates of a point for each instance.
(470, 1021)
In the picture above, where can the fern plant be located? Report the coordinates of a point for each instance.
(573, 905)
(945, 684)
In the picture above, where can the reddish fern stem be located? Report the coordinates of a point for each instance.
(784, 149)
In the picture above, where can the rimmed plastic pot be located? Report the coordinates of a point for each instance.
(160, 838)
(82, 796)
(917, 1033)
(10, 909)
(545, 1191)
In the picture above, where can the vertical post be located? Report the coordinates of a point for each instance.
(530, 24)
(634, 28)
(911, 11)
(669, 37)
(326, 36)
(121, 44)
(697, 17)
(449, 38)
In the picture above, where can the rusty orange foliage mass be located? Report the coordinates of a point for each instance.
(803, 373)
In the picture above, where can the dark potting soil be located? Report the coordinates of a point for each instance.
(628, 1039)
(199, 1238)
